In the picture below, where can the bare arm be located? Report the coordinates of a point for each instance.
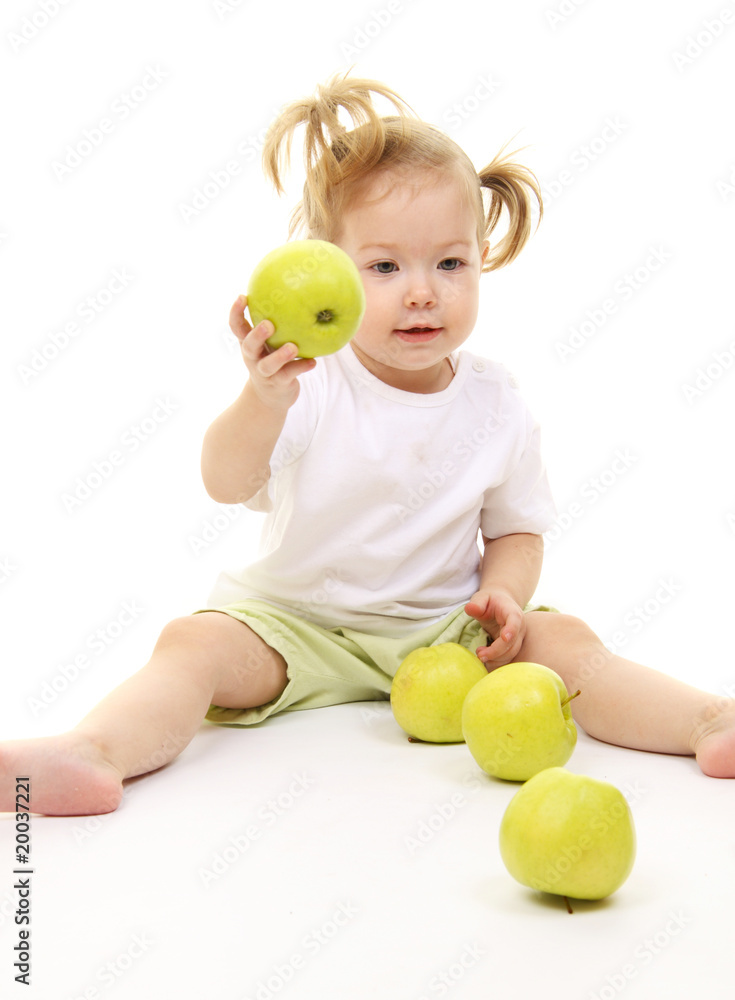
(238, 445)
(512, 563)
(511, 567)
(237, 448)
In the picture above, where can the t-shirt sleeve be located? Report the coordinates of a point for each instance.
(523, 501)
(293, 440)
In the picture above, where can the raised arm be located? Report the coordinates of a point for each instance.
(238, 445)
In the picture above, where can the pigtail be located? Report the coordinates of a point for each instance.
(333, 155)
(338, 158)
(513, 187)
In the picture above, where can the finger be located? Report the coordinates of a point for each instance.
(298, 367)
(273, 363)
(498, 658)
(501, 647)
(502, 651)
(293, 369)
(254, 345)
(512, 626)
(494, 653)
(238, 324)
(476, 610)
(508, 615)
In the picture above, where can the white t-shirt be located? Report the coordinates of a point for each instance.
(376, 496)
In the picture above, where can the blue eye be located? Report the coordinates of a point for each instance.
(384, 267)
(453, 261)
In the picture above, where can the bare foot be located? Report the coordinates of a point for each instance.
(68, 776)
(714, 740)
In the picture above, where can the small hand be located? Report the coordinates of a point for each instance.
(273, 373)
(503, 619)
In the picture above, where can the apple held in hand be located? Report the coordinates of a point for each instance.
(517, 721)
(312, 293)
(429, 688)
(568, 834)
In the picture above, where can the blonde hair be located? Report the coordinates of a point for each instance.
(338, 161)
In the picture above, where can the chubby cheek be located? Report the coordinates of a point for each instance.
(363, 337)
(471, 309)
(374, 335)
(464, 302)
(376, 313)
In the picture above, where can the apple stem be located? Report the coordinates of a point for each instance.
(570, 697)
(569, 908)
(413, 739)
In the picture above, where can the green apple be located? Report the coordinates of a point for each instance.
(312, 293)
(568, 834)
(517, 721)
(428, 690)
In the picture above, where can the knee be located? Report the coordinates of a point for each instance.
(189, 631)
(566, 640)
(567, 645)
(556, 627)
(570, 629)
(579, 651)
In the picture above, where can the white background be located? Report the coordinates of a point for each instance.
(204, 81)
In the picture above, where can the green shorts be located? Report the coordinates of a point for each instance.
(335, 665)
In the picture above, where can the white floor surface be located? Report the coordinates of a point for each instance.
(321, 854)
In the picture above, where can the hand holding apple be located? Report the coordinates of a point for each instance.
(312, 293)
(568, 834)
(517, 721)
(429, 688)
(273, 374)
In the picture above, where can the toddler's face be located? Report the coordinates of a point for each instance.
(415, 245)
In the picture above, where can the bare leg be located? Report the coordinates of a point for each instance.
(628, 704)
(209, 658)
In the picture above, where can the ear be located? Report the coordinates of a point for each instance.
(485, 251)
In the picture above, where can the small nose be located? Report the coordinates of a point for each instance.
(419, 292)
